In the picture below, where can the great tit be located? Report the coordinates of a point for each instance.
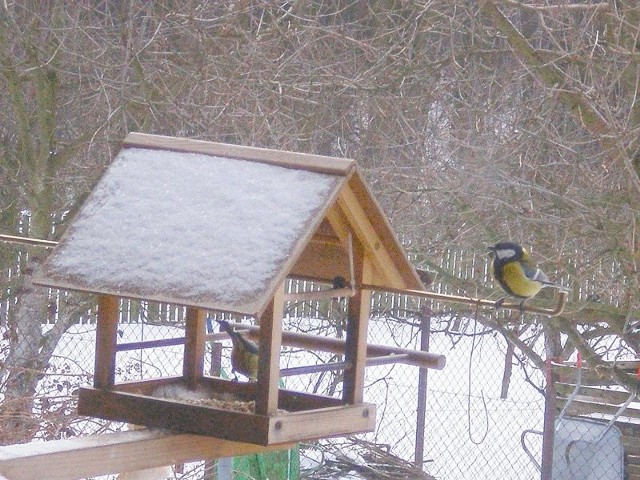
(244, 354)
(517, 273)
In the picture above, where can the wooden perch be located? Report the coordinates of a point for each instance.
(551, 312)
(325, 367)
(94, 455)
(336, 345)
(349, 292)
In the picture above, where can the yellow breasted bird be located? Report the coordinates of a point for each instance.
(244, 354)
(517, 273)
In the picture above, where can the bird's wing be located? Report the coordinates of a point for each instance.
(250, 346)
(538, 275)
(532, 271)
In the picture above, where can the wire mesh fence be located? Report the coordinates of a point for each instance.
(469, 424)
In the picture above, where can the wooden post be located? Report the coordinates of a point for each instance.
(106, 342)
(357, 323)
(212, 468)
(193, 366)
(269, 354)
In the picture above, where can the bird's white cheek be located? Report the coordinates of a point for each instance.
(505, 253)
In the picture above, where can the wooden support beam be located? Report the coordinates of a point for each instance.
(163, 342)
(106, 341)
(357, 324)
(193, 366)
(367, 233)
(96, 455)
(319, 294)
(269, 354)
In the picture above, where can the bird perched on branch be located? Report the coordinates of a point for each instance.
(244, 354)
(517, 273)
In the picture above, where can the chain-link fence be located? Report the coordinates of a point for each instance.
(463, 422)
(597, 427)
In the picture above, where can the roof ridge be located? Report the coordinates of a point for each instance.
(294, 160)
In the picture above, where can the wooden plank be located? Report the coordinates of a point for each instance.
(304, 161)
(631, 445)
(303, 424)
(567, 373)
(360, 193)
(325, 294)
(383, 226)
(292, 401)
(629, 429)
(630, 366)
(373, 243)
(193, 363)
(585, 407)
(35, 242)
(269, 367)
(243, 390)
(174, 415)
(328, 422)
(89, 456)
(289, 400)
(340, 225)
(321, 262)
(632, 468)
(147, 387)
(106, 341)
(595, 393)
(357, 326)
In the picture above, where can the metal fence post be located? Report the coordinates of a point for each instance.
(549, 424)
(425, 333)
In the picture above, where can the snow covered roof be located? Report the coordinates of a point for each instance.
(213, 225)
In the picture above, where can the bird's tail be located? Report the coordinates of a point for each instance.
(562, 288)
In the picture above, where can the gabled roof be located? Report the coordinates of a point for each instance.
(221, 226)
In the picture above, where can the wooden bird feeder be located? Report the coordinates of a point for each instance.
(220, 227)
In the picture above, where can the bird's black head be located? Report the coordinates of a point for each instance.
(506, 251)
(224, 324)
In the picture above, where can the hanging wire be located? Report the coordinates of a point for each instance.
(470, 376)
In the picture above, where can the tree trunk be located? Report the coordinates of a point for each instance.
(25, 363)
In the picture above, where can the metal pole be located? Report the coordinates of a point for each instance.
(548, 430)
(421, 414)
